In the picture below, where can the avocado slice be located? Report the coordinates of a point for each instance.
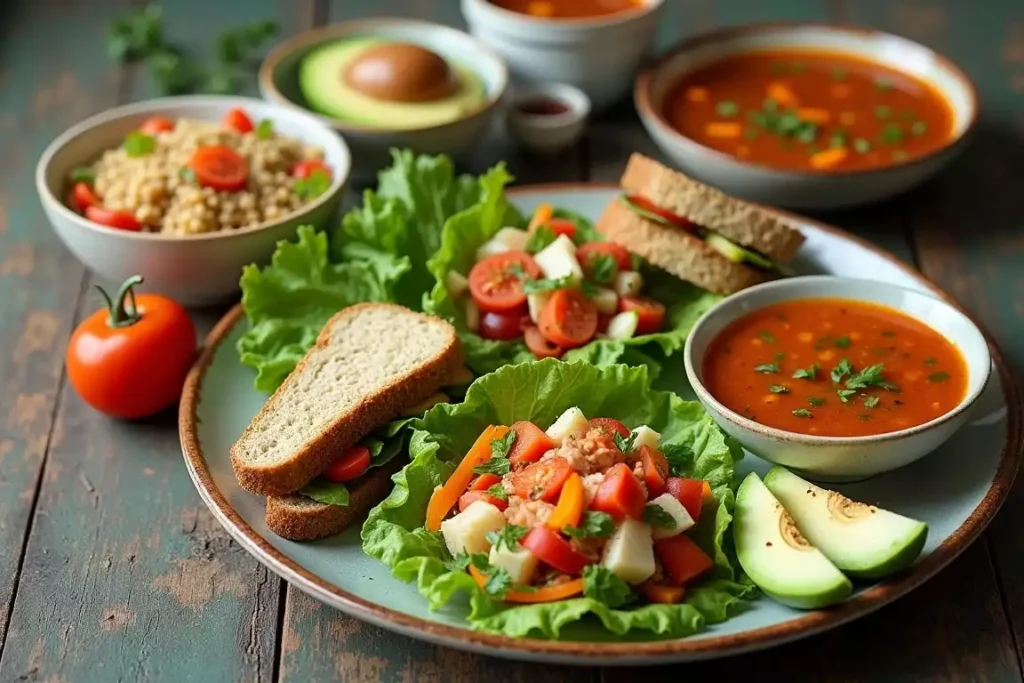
(862, 540)
(778, 559)
(736, 253)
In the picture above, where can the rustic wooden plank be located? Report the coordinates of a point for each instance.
(151, 587)
(39, 280)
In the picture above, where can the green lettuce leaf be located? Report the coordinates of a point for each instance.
(288, 301)
(540, 391)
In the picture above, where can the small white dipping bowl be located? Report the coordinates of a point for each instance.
(809, 190)
(598, 55)
(279, 83)
(839, 459)
(198, 269)
(549, 133)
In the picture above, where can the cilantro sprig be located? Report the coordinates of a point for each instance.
(594, 524)
(498, 463)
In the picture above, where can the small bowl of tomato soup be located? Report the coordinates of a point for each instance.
(548, 118)
(839, 379)
(807, 116)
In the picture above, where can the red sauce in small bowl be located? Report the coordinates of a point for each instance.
(543, 105)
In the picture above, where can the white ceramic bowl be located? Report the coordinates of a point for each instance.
(549, 133)
(599, 56)
(841, 458)
(278, 82)
(811, 189)
(196, 270)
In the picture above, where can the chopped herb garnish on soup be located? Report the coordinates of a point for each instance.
(807, 373)
(938, 377)
(843, 343)
(861, 146)
(766, 336)
(802, 412)
(778, 389)
(816, 401)
(870, 401)
(883, 111)
(727, 108)
(767, 368)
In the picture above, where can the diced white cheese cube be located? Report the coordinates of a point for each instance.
(513, 238)
(623, 325)
(536, 303)
(519, 563)
(558, 260)
(673, 507)
(645, 436)
(628, 283)
(629, 553)
(456, 283)
(467, 531)
(605, 300)
(570, 423)
(472, 316)
(490, 248)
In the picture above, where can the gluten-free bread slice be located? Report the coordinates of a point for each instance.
(368, 363)
(673, 249)
(746, 224)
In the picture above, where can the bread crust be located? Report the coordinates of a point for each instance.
(744, 223)
(347, 429)
(677, 251)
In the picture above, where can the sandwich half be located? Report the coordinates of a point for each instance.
(696, 232)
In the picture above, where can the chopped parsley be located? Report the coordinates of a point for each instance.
(938, 377)
(603, 585)
(544, 285)
(680, 458)
(870, 401)
(498, 582)
(498, 463)
(870, 376)
(840, 371)
(540, 238)
(603, 268)
(138, 144)
(766, 336)
(314, 185)
(861, 146)
(594, 524)
(727, 109)
(845, 394)
(883, 111)
(624, 443)
(843, 343)
(778, 389)
(802, 412)
(918, 128)
(508, 537)
(83, 174)
(498, 491)
(767, 368)
(807, 373)
(655, 515)
(816, 401)
(892, 134)
(265, 129)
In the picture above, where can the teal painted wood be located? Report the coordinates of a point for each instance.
(39, 280)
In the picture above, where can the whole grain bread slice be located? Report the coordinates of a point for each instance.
(746, 224)
(679, 252)
(368, 363)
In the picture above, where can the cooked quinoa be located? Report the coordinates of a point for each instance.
(154, 189)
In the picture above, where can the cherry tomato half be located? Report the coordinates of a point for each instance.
(651, 207)
(655, 470)
(555, 551)
(137, 365)
(612, 425)
(689, 492)
(84, 196)
(542, 480)
(305, 168)
(540, 346)
(122, 220)
(585, 253)
(531, 443)
(651, 313)
(568, 319)
(470, 497)
(563, 226)
(349, 466)
(620, 494)
(156, 124)
(238, 120)
(495, 282)
(502, 326)
(219, 167)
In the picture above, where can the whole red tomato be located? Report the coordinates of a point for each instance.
(130, 359)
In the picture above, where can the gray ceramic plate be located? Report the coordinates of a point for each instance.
(955, 495)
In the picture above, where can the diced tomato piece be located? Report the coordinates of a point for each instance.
(470, 497)
(689, 492)
(538, 345)
(555, 551)
(612, 425)
(305, 168)
(84, 196)
(239, 120)
(349, 466)
(651, 207)
(620, 494)
(501, 326)
(495, 282)
(568, 319)
(530, 444)
(484, 482)
(156, 124)
(651, 313)
(563, 226)
(542, 480)
(681, 558)
(655, 468)
(122, 220)
(586, 253)
(662, 594)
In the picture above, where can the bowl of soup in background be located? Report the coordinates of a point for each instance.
(838, 379)
(594, 45)
(807, 116)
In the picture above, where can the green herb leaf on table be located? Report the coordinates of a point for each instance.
(655, 515)
(593, 524)
(138, 144)
(601, 584)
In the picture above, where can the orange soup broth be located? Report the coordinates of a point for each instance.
(863, 115)
(569, 9)
(750, 368)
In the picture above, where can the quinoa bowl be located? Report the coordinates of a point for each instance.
(157, 217)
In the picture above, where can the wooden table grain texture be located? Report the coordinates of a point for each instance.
(111, 568)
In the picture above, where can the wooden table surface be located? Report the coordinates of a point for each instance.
(111, 568)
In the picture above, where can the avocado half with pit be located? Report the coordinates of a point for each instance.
(777, 557)
(864, 541)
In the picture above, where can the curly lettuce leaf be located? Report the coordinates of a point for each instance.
(540, 391)
(290, 300)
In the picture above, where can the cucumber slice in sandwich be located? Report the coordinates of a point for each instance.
(862, 540)
(736, 253)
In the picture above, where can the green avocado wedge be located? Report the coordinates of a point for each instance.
(777, 558)
(862, 540)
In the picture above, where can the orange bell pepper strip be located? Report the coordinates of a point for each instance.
(707, 496)
(546, 594)
(570, 504)
(541, 216)
(446, 496)
(662, 594)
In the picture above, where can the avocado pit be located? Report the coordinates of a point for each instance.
(400, 72)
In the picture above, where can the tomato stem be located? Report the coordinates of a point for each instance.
(121, 312)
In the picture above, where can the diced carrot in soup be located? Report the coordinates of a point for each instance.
(828, 158)
(722, 129)
(781, 93)
(814, 115)
(698, 93)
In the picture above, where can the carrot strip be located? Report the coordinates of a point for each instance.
(541, 216)
(828, 158)
(707, 495)
(723, 129)
(447, 495)
(570, 504)
(665, 595)
(814, 114)
(780, 92)
(697, 93)
(546, 594)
